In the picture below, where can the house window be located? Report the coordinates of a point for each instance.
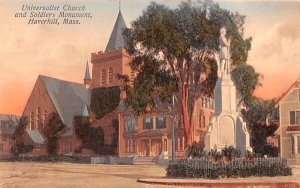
(211, 104)
(132, 76)
(292, 141)
(132, 145)
(181, 143)
(298, 140)
(294, 117)
(179, 121)
(130, 124)
(161, 122)
(202, 102)
(110, 75)
(148, 123)
(32, 120)
(103, 77)
(165, 145)
(129, 145)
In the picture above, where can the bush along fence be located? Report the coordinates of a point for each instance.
(205, 168)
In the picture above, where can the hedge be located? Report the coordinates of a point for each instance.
(204, 168)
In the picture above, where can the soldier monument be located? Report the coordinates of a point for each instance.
(226, 128)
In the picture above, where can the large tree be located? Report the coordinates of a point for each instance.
(173, 52)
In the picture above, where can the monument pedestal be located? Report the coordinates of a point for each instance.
(227, 127)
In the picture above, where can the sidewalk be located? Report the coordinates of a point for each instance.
(239, 182)
(274, 182)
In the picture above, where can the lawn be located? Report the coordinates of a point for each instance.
(68, 175)
(56, 175)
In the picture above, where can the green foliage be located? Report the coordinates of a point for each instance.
(52, 132)
(231, 153)
(204, 168)
(104, 100)
(258, 110)
(246, 80)
(150, 80)
(215, 155)
(249, 155)
(162, 37)
(260, 132)
(20, 130)
(91, 137)
(18, 136)
(196, 151)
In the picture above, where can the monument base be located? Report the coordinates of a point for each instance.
(227, 127)
(227, 130)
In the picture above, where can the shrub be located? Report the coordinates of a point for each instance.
(249, 155)
(195, 151)
(230, 153)
(91, 137)
(215, 155)
(19, 146)
(52, 131)
(204, 168)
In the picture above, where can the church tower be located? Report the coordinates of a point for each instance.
(87, 78)
(113, 61)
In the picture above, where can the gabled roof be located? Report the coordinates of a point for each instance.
(295, 84)
(116, 39)
(87, 72)
(70, 99)
(35, 136)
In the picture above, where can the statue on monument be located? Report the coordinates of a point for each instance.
(224, 55)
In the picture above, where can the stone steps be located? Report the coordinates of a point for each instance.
(144, 161)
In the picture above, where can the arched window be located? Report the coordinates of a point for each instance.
(31, 120)
(45, 114)
(39, 118)
(103, 77)
(110, 75)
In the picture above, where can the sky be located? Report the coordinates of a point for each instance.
(61, 51)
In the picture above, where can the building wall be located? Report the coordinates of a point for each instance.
(156, 135)
(105, 124)
(290, 102)
(5, 144)
(162, 138)
(116, 60)
(39, 98)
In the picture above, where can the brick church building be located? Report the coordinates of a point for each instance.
(149, 134)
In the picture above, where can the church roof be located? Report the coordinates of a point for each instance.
(87, 72)
(70, 99)
(116, 39)
(36, 136)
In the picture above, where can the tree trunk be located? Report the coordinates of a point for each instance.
(186, 116)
